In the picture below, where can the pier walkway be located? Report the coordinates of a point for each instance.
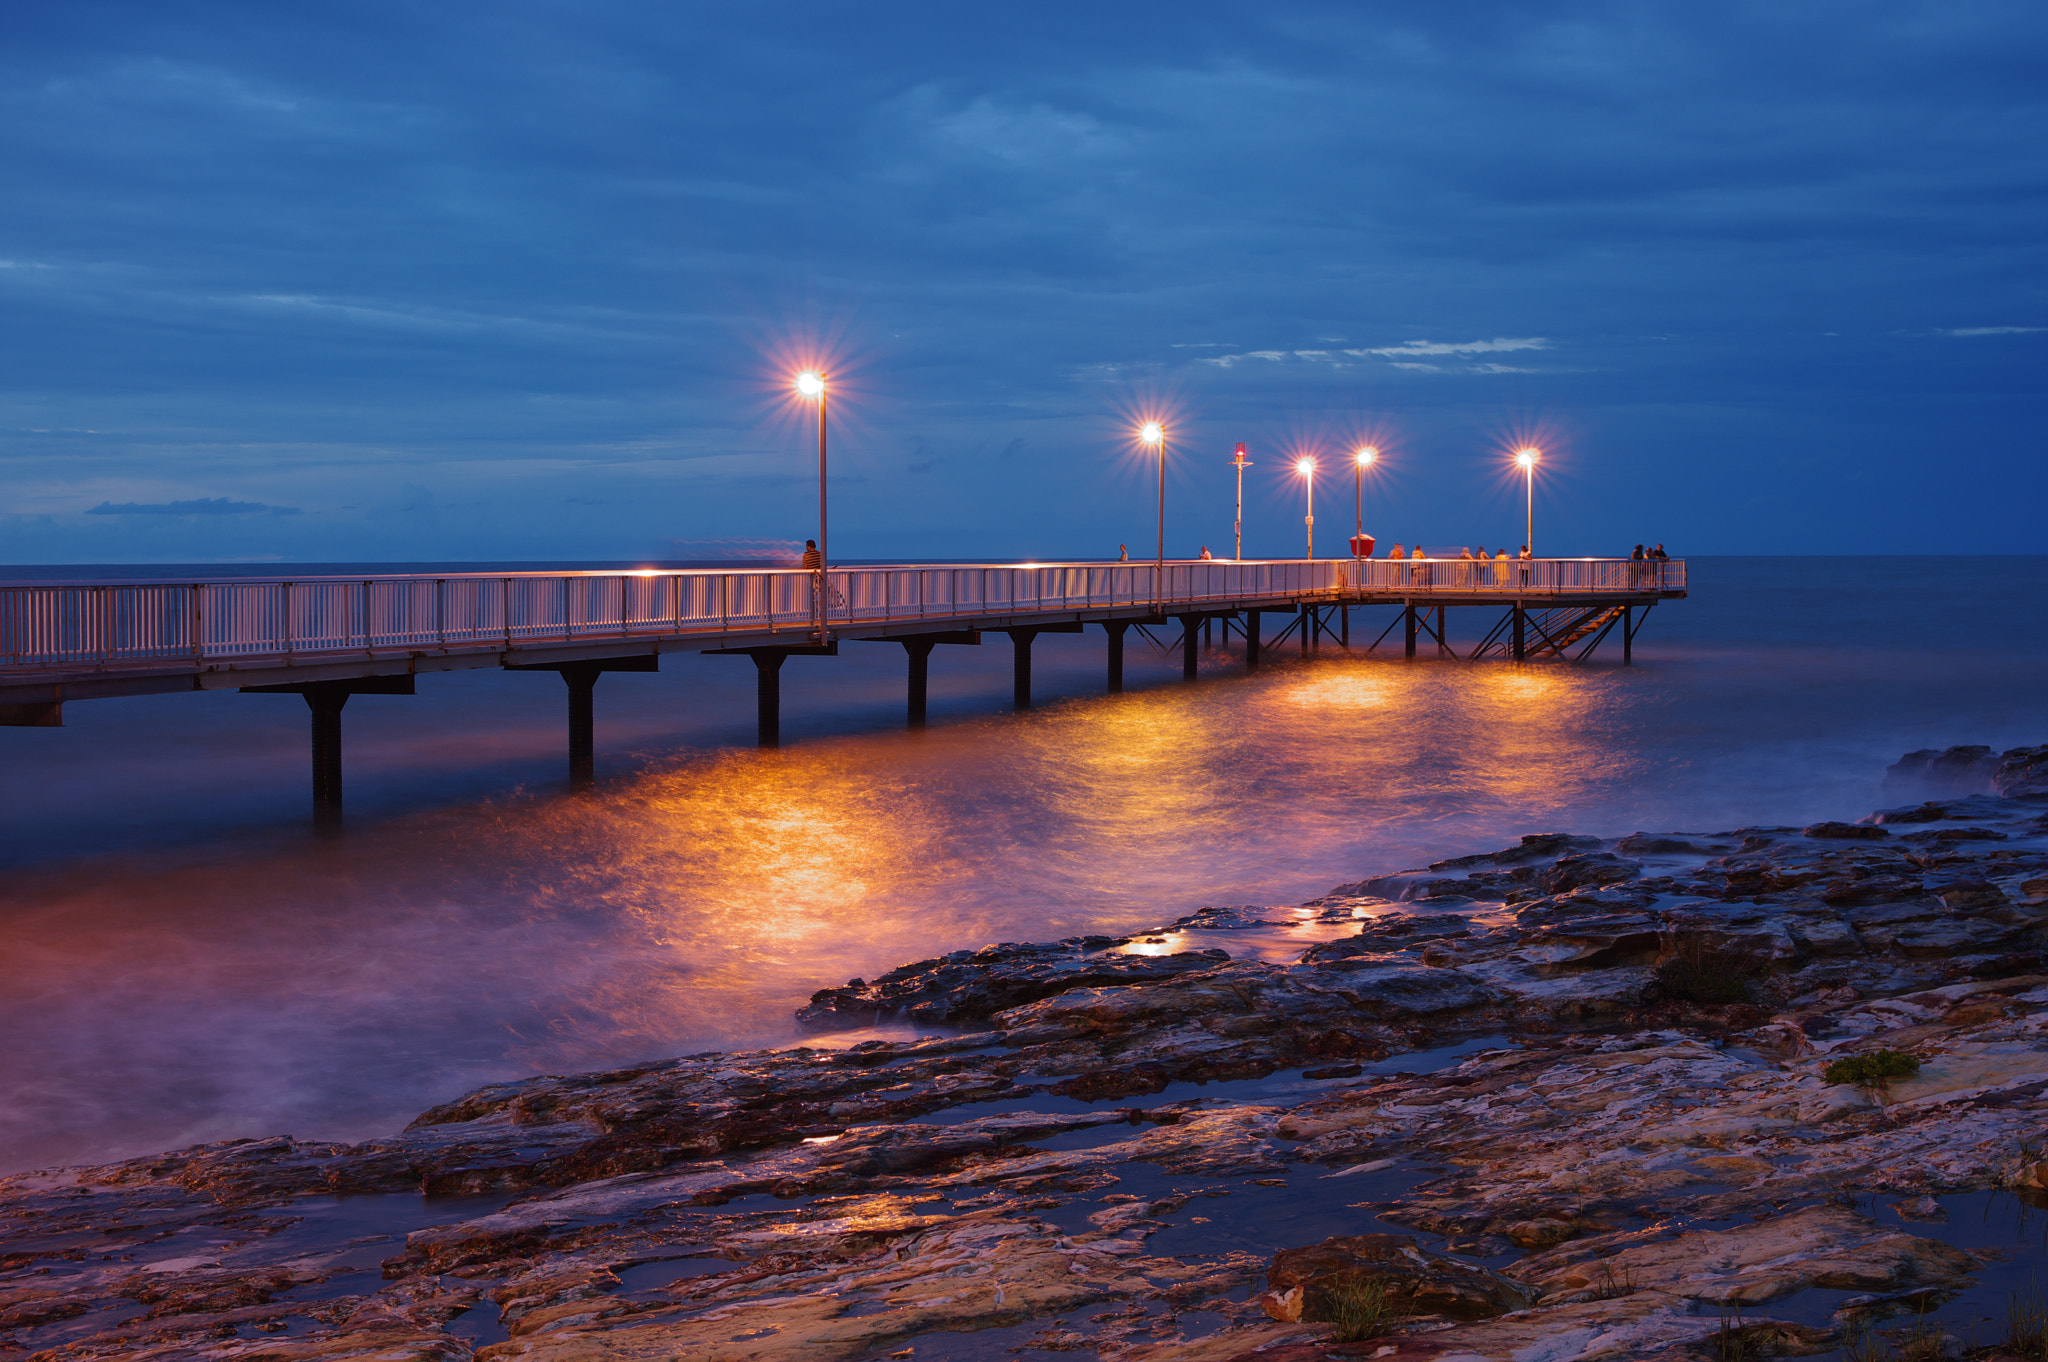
(327, 638)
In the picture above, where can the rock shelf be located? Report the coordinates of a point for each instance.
(1563, 1101)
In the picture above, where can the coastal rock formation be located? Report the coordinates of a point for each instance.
(1572, 1099)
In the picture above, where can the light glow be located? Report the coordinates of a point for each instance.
(1526, 458)
(1304, 466)
(1367, 455)
(1151, 433)
(810, 384)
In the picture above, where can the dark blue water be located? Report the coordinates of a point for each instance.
(178, 961)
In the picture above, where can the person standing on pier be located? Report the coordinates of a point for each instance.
(1527, 557)
(1500, 568)
(1123, 553)
(814, 563)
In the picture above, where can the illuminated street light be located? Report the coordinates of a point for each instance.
(812, 385)
(1152, 433)
(1307, 469)
(1240, 463)
(1359, 463)
(1526, 460)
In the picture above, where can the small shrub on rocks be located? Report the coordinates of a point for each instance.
(1359, 1311)
(1872, 1070)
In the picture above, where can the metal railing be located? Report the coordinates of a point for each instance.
(1556, 576)
(44, 624)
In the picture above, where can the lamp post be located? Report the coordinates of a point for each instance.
(1307, 469)
(1152, 433)
(1526, 459)
(1358, 466)
(1240, 463)
(812, 384)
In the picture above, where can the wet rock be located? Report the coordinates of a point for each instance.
(1645, 844)
(972, 986)
(2022, 773)
(1301, 1282)
(1929, 812)
(1390, 991)
(1391, 934)
(1822, 1246)
(1577, 872)
(1955, 770)
(1844, 831)
(1413, 884)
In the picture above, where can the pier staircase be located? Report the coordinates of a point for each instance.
(1554, 632)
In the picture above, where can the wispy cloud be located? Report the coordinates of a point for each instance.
(1991, 330)
(1225, 361)
(201, 506)
(1477, 347)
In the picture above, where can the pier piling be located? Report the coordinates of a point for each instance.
(581, 679)
(768, 696)
(1116, 630)
(1020, 666)
(325, 699)
(919, 651)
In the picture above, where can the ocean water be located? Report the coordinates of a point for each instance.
(180, 961)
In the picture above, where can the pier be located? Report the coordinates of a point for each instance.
(328, 638)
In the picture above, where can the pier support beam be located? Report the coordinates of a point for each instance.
(1632, 624)
(768, 684)
(1521, 637)
(1190, 626)
(1443, 646)
(1251, 640)
(768, 696)
(917, 650)
(1020, 662)
(581, 679)
(1116, 630)
(1344, 623)
(1020, 666)
(1408, 629)
(325, 699)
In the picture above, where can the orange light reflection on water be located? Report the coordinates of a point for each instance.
(695, 905)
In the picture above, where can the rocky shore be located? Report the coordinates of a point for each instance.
(1771, 1091)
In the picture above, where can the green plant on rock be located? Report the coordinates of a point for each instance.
(1612, 1285)
(1732, 1342)
(1699, 973)
(1359, 1310)
(1874, 1070)
(2026, 1324)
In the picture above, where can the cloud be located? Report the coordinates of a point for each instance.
(1991, 330)
(202, 506)
(1225, 361)
(1479, 347)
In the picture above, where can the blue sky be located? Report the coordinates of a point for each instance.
(521, 280)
